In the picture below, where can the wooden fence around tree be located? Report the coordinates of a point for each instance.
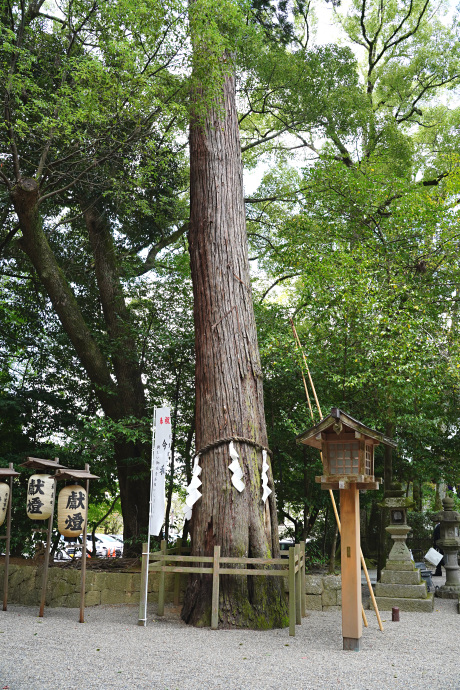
(178, 561)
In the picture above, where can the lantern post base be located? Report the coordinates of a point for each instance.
(352, 644)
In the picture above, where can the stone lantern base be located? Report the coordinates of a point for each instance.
(451, 588)
(401, 582)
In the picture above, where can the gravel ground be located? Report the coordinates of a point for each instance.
(110, 650)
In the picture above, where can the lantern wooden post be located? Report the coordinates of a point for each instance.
(10, 473)
(352, 628)
(347, 454)
(80, 475)
(83, 554)
(47, 555)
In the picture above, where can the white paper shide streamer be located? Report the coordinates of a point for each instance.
(265, 467)
(192, 490)
(160, 459)
(234, 467)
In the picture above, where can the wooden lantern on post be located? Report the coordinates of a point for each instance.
(347, 452)
(73, 516)
(35, 509)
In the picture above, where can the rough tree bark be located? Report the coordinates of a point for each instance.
(229, 396)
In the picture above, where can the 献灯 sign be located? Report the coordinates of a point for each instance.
(160, 458)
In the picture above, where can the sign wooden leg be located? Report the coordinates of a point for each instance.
(351, 571)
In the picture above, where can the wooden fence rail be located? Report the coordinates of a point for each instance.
(178, 561)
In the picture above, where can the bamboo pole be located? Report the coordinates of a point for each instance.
(363, 563)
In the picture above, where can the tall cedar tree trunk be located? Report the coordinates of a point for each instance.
(229, 396)
(118, 399)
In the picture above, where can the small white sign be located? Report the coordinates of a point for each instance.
(160, 458)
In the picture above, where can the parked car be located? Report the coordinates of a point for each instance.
(106, 545)
(285, 545)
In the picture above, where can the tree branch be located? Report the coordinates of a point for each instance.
(291, 275)
(150, 261)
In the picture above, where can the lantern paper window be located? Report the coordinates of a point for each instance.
(40, 497)
(369, 458)
(343, 458)
(72, 510)
(4, 496)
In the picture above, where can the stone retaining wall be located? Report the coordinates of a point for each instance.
(63, 587)
(323, 592)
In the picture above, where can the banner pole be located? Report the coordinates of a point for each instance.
(143, 621)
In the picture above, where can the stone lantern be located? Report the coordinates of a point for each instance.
(401, 582)
(397, 504)
(450, 544)
(347, 454)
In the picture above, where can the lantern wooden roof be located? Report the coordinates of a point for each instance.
(337, 421)
(8, 472)
(42, 464)
(75, 474)
(347, 451)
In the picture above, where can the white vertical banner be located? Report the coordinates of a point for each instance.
(161, 447)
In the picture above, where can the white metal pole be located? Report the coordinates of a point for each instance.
(143, 620)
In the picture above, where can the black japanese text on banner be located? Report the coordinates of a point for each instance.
(160, 458)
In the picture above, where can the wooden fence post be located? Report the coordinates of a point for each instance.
(303, 584)
(177, 576)
(298, 591)
(291, 581)
(161, 586)
(215, 589)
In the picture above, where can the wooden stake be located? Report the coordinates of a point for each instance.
(291, 585)
(8, 540)
(215, 589)
(47, 554)
(83, 555)
(303, 585)
(363, 563)
(177, 576)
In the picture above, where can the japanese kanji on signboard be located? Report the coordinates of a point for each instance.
(160, 459)
(40, 496)
(71, 510)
